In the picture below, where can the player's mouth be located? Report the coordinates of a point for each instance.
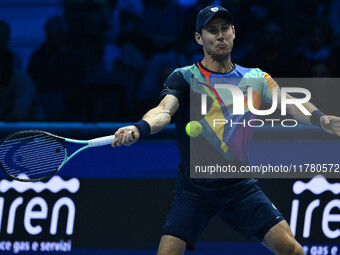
(222, 46)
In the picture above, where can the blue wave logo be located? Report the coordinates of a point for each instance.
(317, 186)
(55, 184)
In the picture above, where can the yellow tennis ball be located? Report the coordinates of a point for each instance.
(193, 128)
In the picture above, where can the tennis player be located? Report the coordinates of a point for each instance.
(238, 202)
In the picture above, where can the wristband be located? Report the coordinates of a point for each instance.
(315, 118)
(143, 128)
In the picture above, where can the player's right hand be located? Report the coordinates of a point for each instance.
(331, 124)
(123, 136)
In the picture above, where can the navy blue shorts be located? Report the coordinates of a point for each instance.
(246, 209)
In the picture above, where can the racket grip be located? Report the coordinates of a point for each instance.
(106, 140)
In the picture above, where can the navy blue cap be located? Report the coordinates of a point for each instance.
(206, 14)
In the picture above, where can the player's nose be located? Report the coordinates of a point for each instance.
(220, 35)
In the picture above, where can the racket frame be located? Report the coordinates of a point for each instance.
(87, 144)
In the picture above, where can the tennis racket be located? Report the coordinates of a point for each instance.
(33, 155)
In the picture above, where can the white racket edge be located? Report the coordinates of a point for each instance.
(105, 140)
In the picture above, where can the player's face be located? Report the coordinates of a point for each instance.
(217, 38)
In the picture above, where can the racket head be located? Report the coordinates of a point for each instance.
(32, 155)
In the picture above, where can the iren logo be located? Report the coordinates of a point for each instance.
(317, 186)
(37, 207)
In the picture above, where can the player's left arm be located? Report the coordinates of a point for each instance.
(330, 124)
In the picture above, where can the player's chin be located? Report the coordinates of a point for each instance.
(221, 56)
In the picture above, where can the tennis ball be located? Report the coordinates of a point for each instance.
(193, 128)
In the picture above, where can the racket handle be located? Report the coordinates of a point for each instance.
(106, 140)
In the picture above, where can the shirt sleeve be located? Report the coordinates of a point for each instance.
(175, 85)
(269, 85)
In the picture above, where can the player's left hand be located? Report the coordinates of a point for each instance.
(331, 124)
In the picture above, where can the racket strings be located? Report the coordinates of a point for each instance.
(31, 155)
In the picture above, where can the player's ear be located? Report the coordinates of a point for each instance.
(198, 38)
(233, 28)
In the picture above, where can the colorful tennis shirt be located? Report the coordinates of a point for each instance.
(189, 83)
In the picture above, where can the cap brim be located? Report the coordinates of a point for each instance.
(222, 13)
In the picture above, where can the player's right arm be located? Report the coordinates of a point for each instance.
(157, 118)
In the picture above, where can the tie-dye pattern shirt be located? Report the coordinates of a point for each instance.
(231, 142)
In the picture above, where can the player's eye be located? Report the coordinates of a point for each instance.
(226, 27)
(212, 30)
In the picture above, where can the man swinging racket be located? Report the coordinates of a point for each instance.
(238, 202)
